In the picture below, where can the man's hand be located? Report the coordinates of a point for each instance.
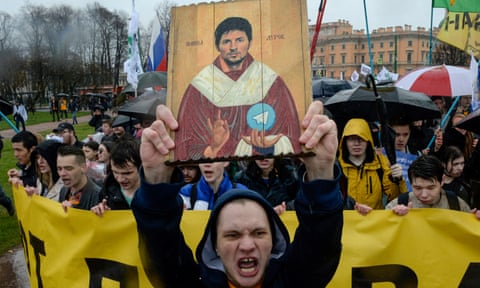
(220, 133)
(396, 170)
(32, 191)
(155, 146)
(401, 209)
(320, 136)
(363, 209)
(100, 208)
(281, 208)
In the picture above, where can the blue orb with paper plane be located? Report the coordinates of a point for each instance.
(261, 117)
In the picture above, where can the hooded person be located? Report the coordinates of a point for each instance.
(367, 176)
(50, 182)
(283, 264)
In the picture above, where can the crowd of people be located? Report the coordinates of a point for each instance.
(107, 172)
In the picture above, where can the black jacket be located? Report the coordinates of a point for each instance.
(309, 261)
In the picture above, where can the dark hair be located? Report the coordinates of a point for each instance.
(69, 150)
(426, 167)
(109, 145)
(107, 121)
(92, 145)
(124, 151)
(27, 138)
(230, 24)
(449, 154)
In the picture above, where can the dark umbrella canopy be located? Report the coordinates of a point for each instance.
(471, 122)
(152, 79)
(97, 95)
(145, 105)
(327, 87)
(400, 104)
(6, 107)
(62, 95)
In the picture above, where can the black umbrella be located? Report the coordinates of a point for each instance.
(327, 87)
(152, 79)
(63, 95)
(6, 107)
(145, 105)
(97, 95)
(471, 122)
(400, 104)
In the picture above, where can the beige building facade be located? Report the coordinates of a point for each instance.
(340, 49)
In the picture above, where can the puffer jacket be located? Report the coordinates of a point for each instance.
(363, 183)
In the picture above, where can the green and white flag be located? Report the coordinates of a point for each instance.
(457, 5)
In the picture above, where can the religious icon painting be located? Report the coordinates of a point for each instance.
(239, 79)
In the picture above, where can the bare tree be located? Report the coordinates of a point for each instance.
(6, 27)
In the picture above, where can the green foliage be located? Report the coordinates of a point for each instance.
(36, 118)
(9, 232)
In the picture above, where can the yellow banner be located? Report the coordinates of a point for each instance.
(426, 248)
(462, 30)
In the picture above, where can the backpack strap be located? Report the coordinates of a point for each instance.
(403, 199)
(453, 202)
(193, 195)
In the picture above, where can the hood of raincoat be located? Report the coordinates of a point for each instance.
(360, 128)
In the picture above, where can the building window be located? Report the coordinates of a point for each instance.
(332, 47)
(322, 60)
(355, 59)
(332, 59)
(390, 58)
(363, 59)
(409, 57)
(372, 45)
(381, 44)
(321, 49)
(343, 59)
(343, 46)
(356, 46)
(332, 74)
(363, 46)
(410, 43)
(391, 44)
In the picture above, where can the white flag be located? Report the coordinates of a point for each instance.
(365, 69)
(133, 65)
(354, 76)
(474, 75)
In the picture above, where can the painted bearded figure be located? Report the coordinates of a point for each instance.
(253, 110)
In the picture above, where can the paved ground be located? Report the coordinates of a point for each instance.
(43, 126)
(13, 270)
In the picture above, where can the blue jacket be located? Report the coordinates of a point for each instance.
(309, 261)
(205, 194)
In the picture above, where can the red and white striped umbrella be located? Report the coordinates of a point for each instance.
(442, 80)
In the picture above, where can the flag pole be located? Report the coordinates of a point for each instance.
(318, 24)
(368, 36)
(431, 36)
(133, 9)
(8, 122)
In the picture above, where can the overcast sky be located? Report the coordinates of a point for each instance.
(380, 13)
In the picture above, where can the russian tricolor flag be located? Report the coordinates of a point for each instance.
(157, 56)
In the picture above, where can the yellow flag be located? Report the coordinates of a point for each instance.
(462, 31)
